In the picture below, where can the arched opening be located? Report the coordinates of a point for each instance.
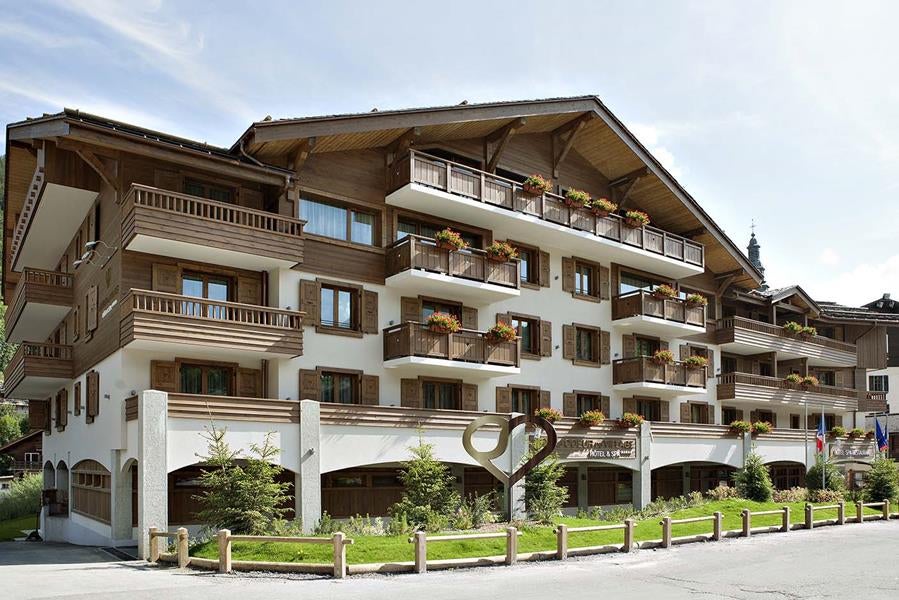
(787, 474)
(92, 491)
(681, 479)
(49, 476)
(60, 507)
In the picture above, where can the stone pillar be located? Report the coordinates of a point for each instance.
(309, 480)
(642, 487)
(747, 447)
(121, 501)
(583, 500)
(518, 449)
(152, 472)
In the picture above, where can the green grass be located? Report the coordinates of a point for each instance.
(381, 549)
(13, 527)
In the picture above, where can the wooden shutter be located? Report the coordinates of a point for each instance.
(93, 396)
(545, 401)
(546, 338)
(628, 405)
(469, 397)
(249, 291)
(310, 384)
(76, 401)
(370, 390)
(469, 318)
(92, 308)
(567, 274)
(605, 405)
(685, 412)
(711, 358)
(369, 311)
(629, 346)
(504, 318)
(251, 198)
(249, 383)
(410, 309)
(684, 351)
(604, 291)
(62, 408)
(838, 420)
(605, 347)
(503, 400)
(544, 269)
(569, 341)
(665, 411)
(167, 180)
(739, 413)
(663, 345)
(39, 414)
(569, 404)
(164, 376)
(838, 378)
(310, 301)
(166, 278)
(410, 393)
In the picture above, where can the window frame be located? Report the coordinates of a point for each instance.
(725, 410)
(436, 381)
(209, 187)
(534, 324)
(595, 399)
(350, 210)
(353, 376)
(204, 366)
(515, 397)
(355, 307)
(533, 280)
(593, 334)
(641, 403)
(884, 386)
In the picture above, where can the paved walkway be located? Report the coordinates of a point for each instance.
(854, 561)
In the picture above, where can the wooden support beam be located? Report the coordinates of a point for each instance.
(402, 143)
(499, 139)
(301, 155)
(106, 174)
(629, 177)
(724, 283)
(563, 139)
(694, 233)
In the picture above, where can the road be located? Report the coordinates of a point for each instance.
(854, 561)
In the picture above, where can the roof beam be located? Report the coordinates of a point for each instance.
(499, 139)
(628, 177)
(404, 141)
(106, 174)
(301, 155)
(572, 128)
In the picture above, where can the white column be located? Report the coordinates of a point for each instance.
(518, 449)
(308, 499)
(642, 485)
(120, 500)
(152, 472)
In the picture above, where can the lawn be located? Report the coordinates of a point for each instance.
(380, 549)
(13, 527)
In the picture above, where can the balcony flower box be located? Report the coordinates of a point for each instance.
(792, 381)
(550, 414)
(592, 418)
(856, 433)
(740, 427)
(500, 333)
(501, 252)
(792, 328)
(696, 362)
(808, 332)
(448, 239)
(838, 431)
(696, 300)
(663, 357)
(536, 185)
(664, 292)
(602, 207)
(762, 427)
(809, 381)
(636, 219)
(440, 322)
(630, 420)
(575, 199)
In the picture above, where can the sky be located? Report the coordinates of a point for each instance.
(785, 113)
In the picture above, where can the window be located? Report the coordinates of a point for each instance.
(210, 287)
(766, 370)
(441, 395)
(32, 457)
(341, 388)
(524, 400)
(764, 415)
(406, 227)
(338, 307)
(212, 380)
(729, 414)
(586, 343)
(728, 364)
(794, 422)
(649, 408)
(585, 280)
(587, 402)
(212, 191)
(429, 307)
(528, 330)
(527, 266)
(699, 413)
(629, 282)
(338, 222)
(878, 383)
(646, 346)
(827, 378)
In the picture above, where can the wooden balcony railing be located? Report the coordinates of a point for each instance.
(25, 465)
(41, 287)
(727, 325)
(39, 360)
(416, 252)
(461, 180)
(643, 303)
(780, 384)
(466, 345)
(645, 369)
(873, 401)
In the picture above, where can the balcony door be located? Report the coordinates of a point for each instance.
(214, 288)
(207, 380)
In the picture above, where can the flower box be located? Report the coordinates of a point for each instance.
(448, 239)
(663, 357)
(696, 300)
(575, 199)
(500, 333)
(536, 185)
(501, 252)
(636, 219)
(602, 207)
(440, 322)
(664, 292)
(550, 414)
(592, 418)
(630, 420)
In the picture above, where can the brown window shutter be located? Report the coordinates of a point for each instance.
(76, 400)
(166, 278)
(38, 414)
(545, 401)
(546, 338)
(685, 412)
(503, 400)
(604, 292)
(249, 291)
(567, 274)
(838, 420)
(93, 396)
(249, 383)
(605, 347)
(164, 376)
(251, 198)
(310, 301)
(544, 269)
(753, 416)
(739, 415)
(569, 404)
(371, 390)
(711, 369)
(62, 418)
(469, 317)
(663, 345)
(410, 309)
(665, 411)
(628, 346)
(410, 393)
(469, 397)
(92, 308)
(167, 180)
(369, 311)
(628, 405)
(310, 384)
(569, 342)
(684, 351)
(504, 318)
(605, 405)
(838, 378)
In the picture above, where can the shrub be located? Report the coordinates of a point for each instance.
(475, 511)
(856, 432)
(500, 333)
(450, 239)
(753, 480)
(762, 427)
(577, 198)
(793, 378)
(794, 494)
(664, 291)
(832, 478)
(592, 418)
(543, 496)
(838, 431)
(740, 426)
(809, 330)
(501, 251)
(697, 300)
(364, 526)
(444, 323)
(23, 498)
(629, 419)
(723, 492)
(327, 525)
(792, 328)
(663, 357)
(429, 495)
(636, 218)
(882, 481)
(537, 184)
(825, 496)
(696, 362)
(550, 414)
(810, 381)
(603, 205)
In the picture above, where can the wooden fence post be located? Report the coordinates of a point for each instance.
(420, 540)
(809, 516)
(182, 548)
(886, 509)
(841, 512)
(666, 532)
(860, 511)
(339, 555)
(224, 536)
(154, 545)
(628, 535)
(562, 542)
(747, 522)
(717, 526)
(786, 522)
(511, 545)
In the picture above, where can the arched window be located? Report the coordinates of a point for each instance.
(91, 490)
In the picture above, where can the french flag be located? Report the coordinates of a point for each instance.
(819, 436)
(882, 442)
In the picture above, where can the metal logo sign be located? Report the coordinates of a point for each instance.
(606, 449)
(506, 426)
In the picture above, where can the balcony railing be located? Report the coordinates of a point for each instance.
(26, 465)
(748, 386)
(457, 179)
(466, 345)
(644, 369)
(644, 303)
(727, 328)
(40, 287)
(416, 252)
(42, 362)
(873, 402)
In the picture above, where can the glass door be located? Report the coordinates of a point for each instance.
(209, 287)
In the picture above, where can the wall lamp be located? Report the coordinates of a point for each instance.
(90, 251)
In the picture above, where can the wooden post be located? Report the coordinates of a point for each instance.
(860, 511)
(420, 539)
(886, 509)
(841, 512)
(224, 536)
(786, 522)
(562, 542)
(154, 545)
(183, 558)
(666, 532)
(809, 516)
(747, 522)
(339, 555)
(717, 526)
(511, 545)
(628, 535)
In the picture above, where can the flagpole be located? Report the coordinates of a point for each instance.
(823, 450)
(806, 434)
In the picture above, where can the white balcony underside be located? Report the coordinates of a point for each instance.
(474, 293)
(659, 389)
(525, 227)
(793, 349)
(206, 254)
(201, 351)
(437, 367)
(655, 326)
(37, 322)
(39, 388)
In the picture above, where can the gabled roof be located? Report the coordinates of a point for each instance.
(841, 312)
(774, 295)
(25, 438)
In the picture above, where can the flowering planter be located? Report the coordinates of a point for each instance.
(532, 190)
(448, 246)
(440, 329)
(573, 204)
(633, 223)
(599, 214)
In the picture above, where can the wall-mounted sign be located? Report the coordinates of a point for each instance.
(596, 449)
(506, 426)
(840, 450)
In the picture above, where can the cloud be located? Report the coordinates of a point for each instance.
(23, 33)
(859, 285)
(829, 257)
(649, 136)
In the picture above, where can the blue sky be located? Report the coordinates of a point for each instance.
(782, 112)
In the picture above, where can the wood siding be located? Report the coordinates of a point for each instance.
(776, 391)
(768, 337)
(416, 252)
(416, 339)
(38, 360)
(39, 287)
(645, 369)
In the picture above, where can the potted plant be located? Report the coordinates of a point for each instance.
(696, 362)
(636, 219)
(602, 207)
(536, 185)
(809, 381)
(501, 252)
(664, 292)
(592, 418)
(792, 328)
(869, 434)
(550, 414)
(838, 431)
(762, 427)
(809, 331)
(629, 420)
(575, 199)
(793, 379)
(696, 300)
(500, 333)
(740, 426)
(449, 240)
(440, 322)
(663, 357)
(856, 432)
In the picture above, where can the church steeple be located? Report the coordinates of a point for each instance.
(755, 256)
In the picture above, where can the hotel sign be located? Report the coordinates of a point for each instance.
(596, 449)
(844, 450)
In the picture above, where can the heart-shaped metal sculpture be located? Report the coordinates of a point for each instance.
(506, 426)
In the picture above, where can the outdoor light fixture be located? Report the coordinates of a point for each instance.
(90, 249)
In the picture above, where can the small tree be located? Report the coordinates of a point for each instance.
(430, 496)
(241, 493)
(753, 480)
(882, 481)
(543, 496)
(831, 480)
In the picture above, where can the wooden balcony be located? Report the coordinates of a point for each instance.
(642, 312)
(745, 336)
(37, 370)
(170, 321)
(873, 402)
(436, 186)
(188, 227)
(760, 389)
(414, 347)
(40, 302)
(416, 265)
(668, 379)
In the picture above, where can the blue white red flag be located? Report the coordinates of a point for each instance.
(882, 443)
(819, 436)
